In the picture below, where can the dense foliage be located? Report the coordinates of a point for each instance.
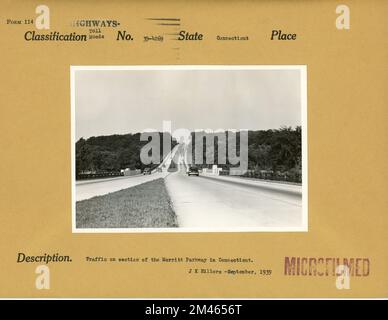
(110, 153)
(277, 150)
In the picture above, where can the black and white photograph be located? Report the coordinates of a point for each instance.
(189, 148)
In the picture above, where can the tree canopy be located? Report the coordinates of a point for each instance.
(111, 153)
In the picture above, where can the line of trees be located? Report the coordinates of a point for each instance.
(111, 153)
(275, 149)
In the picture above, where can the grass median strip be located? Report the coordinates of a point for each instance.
(143, 206)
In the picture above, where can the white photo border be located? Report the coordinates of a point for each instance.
(303, 87)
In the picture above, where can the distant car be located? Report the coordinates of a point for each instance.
(147, 171)
(193, 171)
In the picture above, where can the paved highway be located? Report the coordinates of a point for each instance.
(91, 188)
(85, 190)
(212, 203)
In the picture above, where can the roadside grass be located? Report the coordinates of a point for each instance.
(143, 206)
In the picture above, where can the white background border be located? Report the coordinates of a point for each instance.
(303, 86)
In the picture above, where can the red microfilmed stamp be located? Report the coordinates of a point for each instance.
(340, 268)
(325, 266)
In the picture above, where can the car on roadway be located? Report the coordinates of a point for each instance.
(193, 171)
(147, 171)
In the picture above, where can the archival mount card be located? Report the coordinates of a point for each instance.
(213, 149)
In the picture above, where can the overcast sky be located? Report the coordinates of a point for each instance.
(130, 101)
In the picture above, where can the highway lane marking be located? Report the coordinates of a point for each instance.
(81, 183)
(223, 182)
(257, 186)
(193, 200)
